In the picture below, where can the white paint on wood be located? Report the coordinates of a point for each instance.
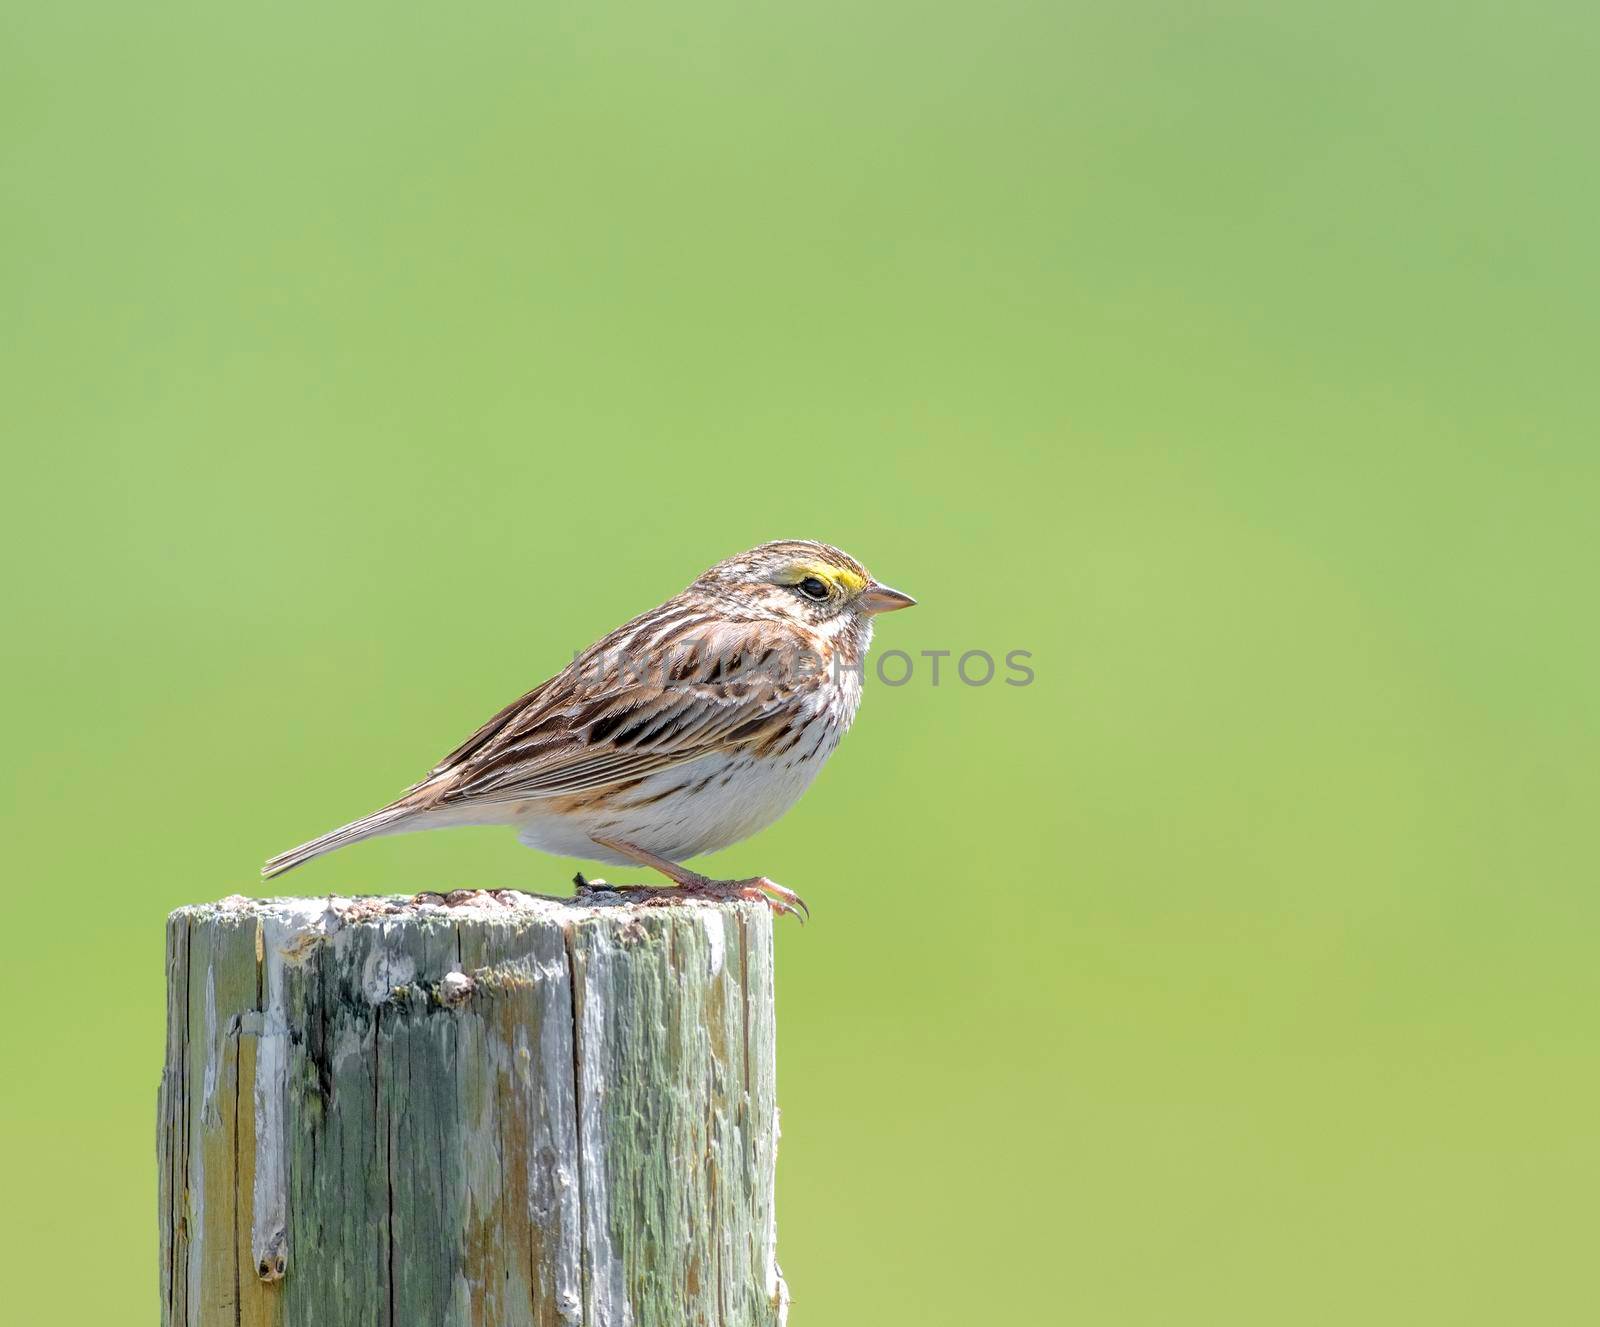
(213, 1050)
(716, 939)
(608, 1304)
(269, 1198)
(384, 972)
(554, 1195)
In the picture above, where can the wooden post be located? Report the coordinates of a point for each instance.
(504, 1109)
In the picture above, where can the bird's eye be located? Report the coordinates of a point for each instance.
(813, 588)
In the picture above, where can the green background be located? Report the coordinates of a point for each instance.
(362, 361)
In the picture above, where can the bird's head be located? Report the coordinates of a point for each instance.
(815, 586)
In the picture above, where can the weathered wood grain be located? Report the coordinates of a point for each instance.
(506, 1110)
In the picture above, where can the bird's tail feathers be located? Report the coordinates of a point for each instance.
(387, 821)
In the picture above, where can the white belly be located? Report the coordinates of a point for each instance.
(693, 808)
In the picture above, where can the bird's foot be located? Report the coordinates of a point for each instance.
(755, 889)
(691, 884)
(779, 898)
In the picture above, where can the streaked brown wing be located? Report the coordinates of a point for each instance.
(592, 726)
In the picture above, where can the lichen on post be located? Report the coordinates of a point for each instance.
(497, 1109)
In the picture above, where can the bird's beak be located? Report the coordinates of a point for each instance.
(881, 599)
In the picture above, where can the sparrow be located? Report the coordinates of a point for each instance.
(687, 729)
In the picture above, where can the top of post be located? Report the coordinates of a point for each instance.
(328, 913)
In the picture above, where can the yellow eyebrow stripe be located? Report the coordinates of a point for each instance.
(851, 580)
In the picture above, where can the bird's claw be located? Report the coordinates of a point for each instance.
(782, 901)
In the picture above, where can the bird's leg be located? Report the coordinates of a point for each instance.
(679, 875)
(757, 888)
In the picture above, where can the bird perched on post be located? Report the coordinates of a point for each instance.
(687, 729)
